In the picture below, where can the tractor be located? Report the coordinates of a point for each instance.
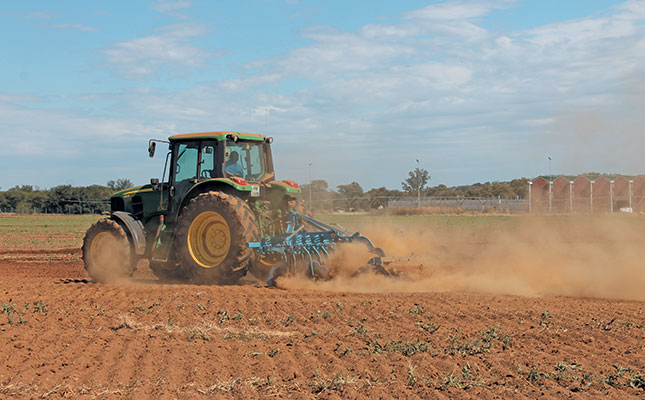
(217, 213)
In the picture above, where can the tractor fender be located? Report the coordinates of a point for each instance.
(225, 182)
(286, 186)
(134, 229)
(216, 184)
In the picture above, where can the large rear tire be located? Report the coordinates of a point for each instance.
(107, 253)
(212, 235)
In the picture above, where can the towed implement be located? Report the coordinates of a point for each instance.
(216, 214)
(302, 250)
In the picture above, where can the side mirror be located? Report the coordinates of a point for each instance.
(155, 183)
(151, 148)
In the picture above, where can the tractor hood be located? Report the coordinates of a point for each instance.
(137, 200)
(129, 192)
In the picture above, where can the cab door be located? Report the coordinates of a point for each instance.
(184, 173)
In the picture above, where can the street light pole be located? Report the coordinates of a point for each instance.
(311, 206)
(418, 185)
(550, 175)
(550, 186)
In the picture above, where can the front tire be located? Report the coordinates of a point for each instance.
(107, 253)
(212, 235)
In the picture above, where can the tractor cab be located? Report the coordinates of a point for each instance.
(237, 163)
(230, 162)
(221, 155)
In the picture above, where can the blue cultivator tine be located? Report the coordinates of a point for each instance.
(297, 245)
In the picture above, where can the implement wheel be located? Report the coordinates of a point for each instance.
(107, 253)
(212, 235)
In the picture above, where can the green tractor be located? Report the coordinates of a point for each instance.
(219, 195)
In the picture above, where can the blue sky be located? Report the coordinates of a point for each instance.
(477, 90)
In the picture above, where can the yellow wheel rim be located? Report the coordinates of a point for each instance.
(209, 239)
(102, 247)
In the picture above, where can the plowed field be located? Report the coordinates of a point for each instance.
(63, 336)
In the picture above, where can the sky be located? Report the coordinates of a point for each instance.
(477, 91)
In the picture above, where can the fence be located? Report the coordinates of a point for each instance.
(466, 203)
(445, 203)
(584, 195)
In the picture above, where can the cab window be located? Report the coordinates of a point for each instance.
(207, 167)
(245, 159)
(186, 164)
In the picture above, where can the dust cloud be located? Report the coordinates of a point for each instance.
(578, 256)
(111, 263)
(607, 137)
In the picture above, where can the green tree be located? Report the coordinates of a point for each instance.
(441, 191)
(119, 184)
(351, 193)
(503, 190)
(416, 181)
(321, 196)
(319, 185)
(378, 197)
(520, 187)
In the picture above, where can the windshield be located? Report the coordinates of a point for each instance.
(245, 159)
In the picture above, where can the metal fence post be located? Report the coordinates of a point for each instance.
(591, 196)
(611, 196)
(550, 195)
(530, 200)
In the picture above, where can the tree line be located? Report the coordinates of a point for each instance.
(62, 199)
(94, 199)
(352, 195)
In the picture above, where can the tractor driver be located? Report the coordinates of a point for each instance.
(233, 166)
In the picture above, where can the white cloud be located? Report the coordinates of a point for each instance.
(472, 103)
(585, 30)
(634, 8)
(31, 131)
(476, 82)
(41, 15)
(80, 27)
(456, 10)
(265, 110)
(169, 50)
(167, 5)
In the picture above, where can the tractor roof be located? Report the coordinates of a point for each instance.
(220, 135)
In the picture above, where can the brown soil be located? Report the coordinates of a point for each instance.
(64, 336)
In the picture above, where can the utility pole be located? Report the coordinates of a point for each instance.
(550, 175)
(311, 206)
(550, 186)
(418, 185)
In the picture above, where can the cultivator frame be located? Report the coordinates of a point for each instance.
(304, 250)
